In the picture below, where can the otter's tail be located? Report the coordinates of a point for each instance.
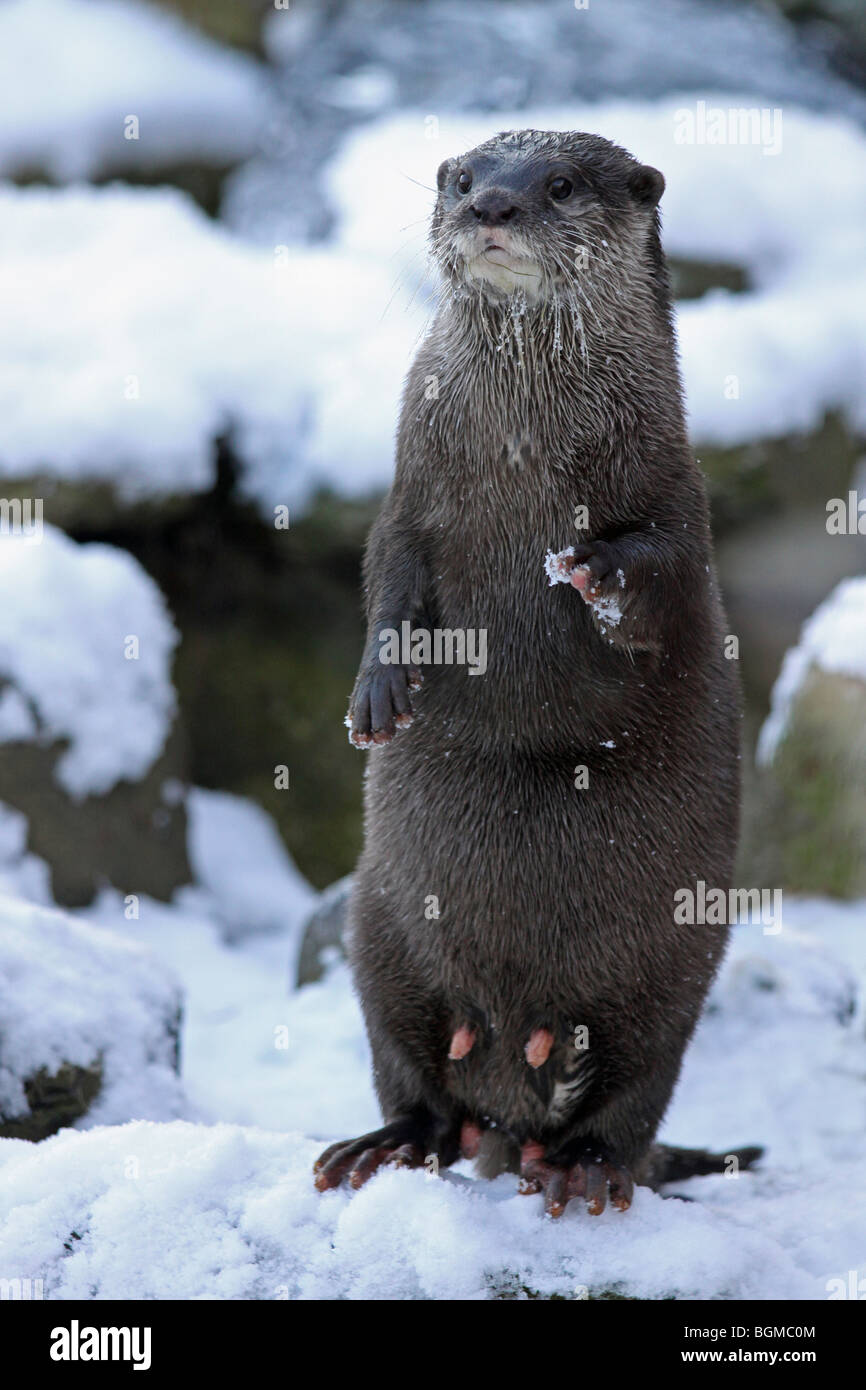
(663, 1163)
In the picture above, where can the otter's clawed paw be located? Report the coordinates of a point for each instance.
(359, 1159)
(595, 572)
(592, 1177)
(381, 704)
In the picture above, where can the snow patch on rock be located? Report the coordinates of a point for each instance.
(67, 614)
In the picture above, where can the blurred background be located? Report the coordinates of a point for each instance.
(213, 272)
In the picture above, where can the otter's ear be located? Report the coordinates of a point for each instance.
(646, 184)
(443, 172)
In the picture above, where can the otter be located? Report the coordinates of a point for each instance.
(527, 990)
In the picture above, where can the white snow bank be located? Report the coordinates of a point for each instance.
(183, 1211)
(68, 616)
(231, 1212)
(238, 857)
(73, 71)
(796, 342)
(74, 993)
(833, 639)
(171, 331)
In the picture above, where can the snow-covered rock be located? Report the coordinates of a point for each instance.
(834, 641)
(89, 1025)
(323, 935)
(173, 332)
(75, 74)
(807, 826)
(90, 753)
(86, 644)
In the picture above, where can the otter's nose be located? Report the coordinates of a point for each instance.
(494, 208)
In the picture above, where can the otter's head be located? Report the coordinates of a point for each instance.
(536, 211)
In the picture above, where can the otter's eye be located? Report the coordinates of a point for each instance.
(561, 189)
(464, 181)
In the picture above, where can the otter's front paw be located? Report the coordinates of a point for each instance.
(593, 1177)
(596, 573)
(380, 704)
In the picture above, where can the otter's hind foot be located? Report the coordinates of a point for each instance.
(592, 1177)
(398, 1144)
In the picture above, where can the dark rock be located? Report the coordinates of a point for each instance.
(133, 837)
(56, 1101)
(324, 930)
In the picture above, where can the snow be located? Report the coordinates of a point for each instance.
(558, 567)
(238, 857)
(228, 1210)
(173, 331)
(833, 639)
(74, 993)
(68, 616)
(73, 71)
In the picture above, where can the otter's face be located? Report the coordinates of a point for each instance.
(528, 210)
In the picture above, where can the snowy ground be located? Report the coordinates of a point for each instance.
(225, 1207)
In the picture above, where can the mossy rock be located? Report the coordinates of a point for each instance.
(806, 828)
(271, 630)
(691, 279)
(92, 504)
(772, 475)
(236, 22)
(324, 931)
(56, 1101)
(133, 837)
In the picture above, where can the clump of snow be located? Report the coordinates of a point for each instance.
(73, 993)
(833, 639)
(86, 645)
(559, 567)
(22, 874)
(239, 859)
(74, 71)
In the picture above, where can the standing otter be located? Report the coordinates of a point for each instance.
(527, 992)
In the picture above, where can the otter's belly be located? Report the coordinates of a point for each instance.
(510, 880)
